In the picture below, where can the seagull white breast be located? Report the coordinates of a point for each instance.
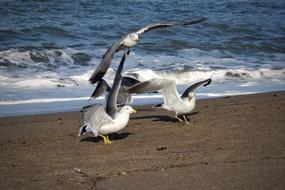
(131, 40)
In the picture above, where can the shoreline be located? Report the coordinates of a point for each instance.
(36, 107)
(233, 142)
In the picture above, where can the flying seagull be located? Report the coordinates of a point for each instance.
(129, 41)
(181, 105)
(123, 97)
(102, 122)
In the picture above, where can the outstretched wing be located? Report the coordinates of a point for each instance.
(101, 87)
(194, 86)
(167, 87)
(105, 62)
(94, 117)
(150, 27)
(109, 54)
(111, 104)
(123, 97)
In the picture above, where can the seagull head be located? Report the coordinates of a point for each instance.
(128, 109)
(135, 37)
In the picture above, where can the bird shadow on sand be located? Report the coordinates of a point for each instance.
(190, 114)
(164, 118)
(156, 118)
(112, 137)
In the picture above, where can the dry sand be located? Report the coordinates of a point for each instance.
(233, 143)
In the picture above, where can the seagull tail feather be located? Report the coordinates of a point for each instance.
(82, 130)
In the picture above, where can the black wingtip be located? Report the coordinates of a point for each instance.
(96, 77)
(82, 130)
(94, 94)
(208, 82)
(102, 85)
(157, 106)
(129, 81)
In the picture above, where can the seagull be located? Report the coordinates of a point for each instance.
(103, 122)
(123, 97)
(181, 105)
(129, 41)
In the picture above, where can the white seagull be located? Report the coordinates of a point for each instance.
(129, 41)
(181, 105)
(102, 122)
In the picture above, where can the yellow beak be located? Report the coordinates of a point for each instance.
(135, 111)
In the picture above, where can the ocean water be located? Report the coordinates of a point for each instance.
(49, 49)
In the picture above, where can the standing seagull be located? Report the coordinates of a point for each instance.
(102, 122)
(181, 105)
(129, 41)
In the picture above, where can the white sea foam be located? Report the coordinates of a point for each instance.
(50, 100)
(42, 100)
(51, 80)
(217, 75)
(233, 93)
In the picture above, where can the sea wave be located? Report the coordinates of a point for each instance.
(46, 71)
(221, 75)
(42, 59)
(48, 80)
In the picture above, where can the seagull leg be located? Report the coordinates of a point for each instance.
(105, 139)
(185, 119)
(129, 51)
(109, 142)
(178, 118)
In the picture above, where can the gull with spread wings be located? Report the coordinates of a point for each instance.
(129, 41)
(181, 105)
(102, 122)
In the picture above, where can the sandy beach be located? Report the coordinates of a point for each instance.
(235, 142)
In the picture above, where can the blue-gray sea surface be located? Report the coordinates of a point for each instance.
(49, 49)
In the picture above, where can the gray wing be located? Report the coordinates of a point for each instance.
(129, 81)
(94, 117)
(194, 86)
(105, 62)
(150, 27)
(111, 104)
(123, 97)
(101, 87)
(167, 87)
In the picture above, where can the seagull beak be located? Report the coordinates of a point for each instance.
(135, 111)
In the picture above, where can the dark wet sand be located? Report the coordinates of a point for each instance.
(233, 143)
